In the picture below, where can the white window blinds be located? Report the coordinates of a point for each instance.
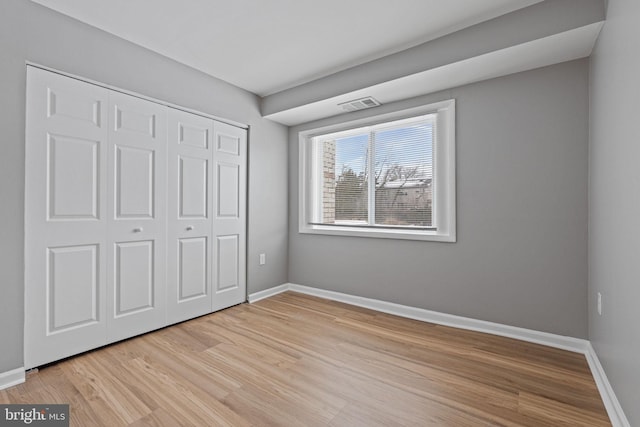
(377, 176)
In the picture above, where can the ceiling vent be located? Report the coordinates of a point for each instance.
(359, 104)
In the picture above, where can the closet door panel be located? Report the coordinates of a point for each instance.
(134, 192)
(193, 187)
(192, 264)
(133, 279)
(229, 223)
(229, 192)
(72, 178)
(65, 217)
(228, 262)
(189, 215)
(72, 287)
(137, 219)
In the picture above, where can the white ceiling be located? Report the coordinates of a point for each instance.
(266, 46)
(553, 49)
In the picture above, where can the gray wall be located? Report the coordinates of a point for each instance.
(521, 254)
(29, 32)
(614, 202)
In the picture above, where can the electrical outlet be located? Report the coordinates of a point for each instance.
(263, 259)
(599, 303)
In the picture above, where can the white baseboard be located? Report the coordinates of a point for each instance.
(576, 345)
(552, 340)
(614, 410)
(257, 296)
(11, 378)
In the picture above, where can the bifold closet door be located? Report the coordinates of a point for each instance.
(229, 220)
(136, 241)
(189, 221)
(135, 216)
(66, 211)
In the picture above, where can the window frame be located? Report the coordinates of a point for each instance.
(443, 181)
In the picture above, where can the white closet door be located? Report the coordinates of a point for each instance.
(137, 216)
(65, 205)
(190, 204)
(229, 224)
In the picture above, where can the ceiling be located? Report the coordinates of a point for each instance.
(565, 46)
(267, 46)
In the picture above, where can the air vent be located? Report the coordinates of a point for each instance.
(359, 104)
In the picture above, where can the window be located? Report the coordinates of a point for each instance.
(387, 176)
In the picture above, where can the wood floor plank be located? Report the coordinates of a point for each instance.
(105, 393)
(559, 414)
(381, 400)
(187, 403)
(272, 380)
(159, 418)
(190, 369)
(299, 360)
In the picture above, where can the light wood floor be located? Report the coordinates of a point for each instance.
(295, 360)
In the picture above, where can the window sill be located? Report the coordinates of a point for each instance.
(382, 233)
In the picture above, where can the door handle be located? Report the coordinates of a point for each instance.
(137, 230)
(189, 227)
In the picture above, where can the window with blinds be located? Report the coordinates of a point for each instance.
(378, 176)
(391, 177)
